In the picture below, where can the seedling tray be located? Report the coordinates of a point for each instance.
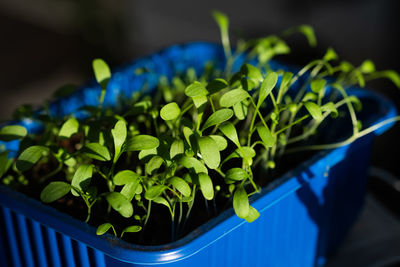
(304, 214)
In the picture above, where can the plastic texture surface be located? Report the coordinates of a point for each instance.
(304, 214)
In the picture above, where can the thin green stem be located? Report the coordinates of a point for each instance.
(348, 140)
(52, 173)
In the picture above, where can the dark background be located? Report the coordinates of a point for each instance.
(45, 44)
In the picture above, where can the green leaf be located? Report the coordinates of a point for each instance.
(241, 202)
(131, 229)
(5, 163)
(236, 174)
(192, 163)
(119, 134)
(253, 215)
(331, 108)
(170, 111)
(103, 228)
(81, 179)
(125, 177)
(154, 191)
(388, 74)
(209, 151)
(221, 19)
(367, 66)
(244, 152)
(130, 189)
(218, 117)
(266, 87)
(101, 72)
(69, 128)
(232, 97)
(330, 55)
(199, 102)
(54, 191)
(356, 102)
(120, 203)
(360, 77)
(345, 66)
(314, 110)
(30, 156)
(142, 142)
(188, 133)
(162, 201)
(206, 186)
(177, 148)
(196, 89)
(149, 152)
(241, 109)
(216, 85)
(96, 151)
(266, 136)
(308, 32)
(251, 72)
(286, 79)
(229, 130)
(12, 132)
(309, 96)
(154, 164)
(221, 142)
(317, 85)
(181, 185)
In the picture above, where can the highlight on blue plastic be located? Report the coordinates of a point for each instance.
(304, 214)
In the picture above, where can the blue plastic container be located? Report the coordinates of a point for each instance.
(304, 214)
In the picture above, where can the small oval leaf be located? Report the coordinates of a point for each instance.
(209, 151)
(130, 189)
(181, 185)
(120, 203)
(236, 174)
(266, 86)
(154, 164)
(177, 148)
(170, 111)
(154, 191)
(192, 163)
(103, 228)
(266, 136)
(221, 142)
(142, 142)
(314, 110)
(54, 191)
(206, 186)
(229, 130)
(12, 132)
(29, 157)
(81, 179)
(218, 117)
(125, 177)
(101, 71)
(196, 89)
(232, 97)
(241, 202)
(69, 128)
(253, 215)
(96, 151)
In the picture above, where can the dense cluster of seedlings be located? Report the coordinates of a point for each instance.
(198, 137)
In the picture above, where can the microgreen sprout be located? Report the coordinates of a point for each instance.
(201, 136)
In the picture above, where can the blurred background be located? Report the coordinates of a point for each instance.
(45, 44)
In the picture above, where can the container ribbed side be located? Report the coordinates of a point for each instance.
(25, 242)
